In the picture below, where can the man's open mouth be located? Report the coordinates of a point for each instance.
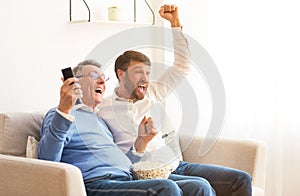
(142, 88)
(99, 90)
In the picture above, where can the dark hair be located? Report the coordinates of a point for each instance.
(123, 61)
(78, 69)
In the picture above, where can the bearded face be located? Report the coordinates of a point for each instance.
(137, 89)
(136, 80)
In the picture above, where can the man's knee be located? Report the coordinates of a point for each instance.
(166, 187)
(243, 184)
(245, 178)
(198, 187)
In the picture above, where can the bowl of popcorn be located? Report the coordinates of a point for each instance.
(150, 170)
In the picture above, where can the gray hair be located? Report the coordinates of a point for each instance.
(78, 69)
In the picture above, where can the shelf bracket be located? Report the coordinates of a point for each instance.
(89, 11)
(151, 10)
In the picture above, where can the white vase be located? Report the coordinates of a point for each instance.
(113, 13)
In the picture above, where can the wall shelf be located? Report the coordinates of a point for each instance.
(89, 12)
(108, 22)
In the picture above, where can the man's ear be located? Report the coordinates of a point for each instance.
(120, 73)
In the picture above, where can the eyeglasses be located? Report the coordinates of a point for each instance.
(95, 76)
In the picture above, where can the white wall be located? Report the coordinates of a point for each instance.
(37, 41)
(255, 45)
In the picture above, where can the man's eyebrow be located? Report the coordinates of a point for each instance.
(141, 67)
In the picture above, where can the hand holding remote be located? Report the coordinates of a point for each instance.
(68, 73)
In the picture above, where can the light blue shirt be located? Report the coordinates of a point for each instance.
(86, 143)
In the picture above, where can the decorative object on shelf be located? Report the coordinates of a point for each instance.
(89, 11)
(113, 13)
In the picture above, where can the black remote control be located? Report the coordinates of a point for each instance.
(68, 73)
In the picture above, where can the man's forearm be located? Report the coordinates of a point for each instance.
(181, 50)
(52, 138)
(176, 23)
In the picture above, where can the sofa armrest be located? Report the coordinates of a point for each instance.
(24, 176)
(243, 154)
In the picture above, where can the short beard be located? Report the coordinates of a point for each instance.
(130, 87)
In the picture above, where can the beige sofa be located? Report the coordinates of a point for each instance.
(29, 176)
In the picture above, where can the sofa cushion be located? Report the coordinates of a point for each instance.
(32, 147)
(15, 129)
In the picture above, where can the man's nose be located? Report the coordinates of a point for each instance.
(145, 77)
(101, 80)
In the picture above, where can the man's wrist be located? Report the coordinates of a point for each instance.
(135, 152)
(176, 23)
(67, 116)
(139, 145)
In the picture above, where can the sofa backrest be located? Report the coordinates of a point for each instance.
(15, 127)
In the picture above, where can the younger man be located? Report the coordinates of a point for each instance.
(135, 95)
